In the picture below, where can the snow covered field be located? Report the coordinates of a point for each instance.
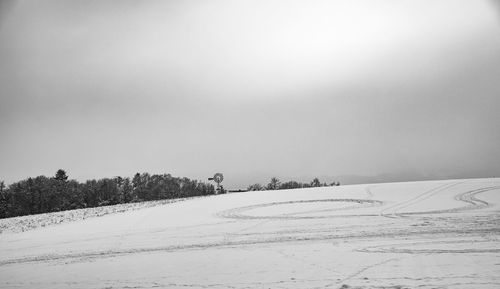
(434, 234)
(26, 223)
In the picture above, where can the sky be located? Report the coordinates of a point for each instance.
(252, 89)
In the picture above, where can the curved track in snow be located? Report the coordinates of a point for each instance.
(442, 234)
(237, 213)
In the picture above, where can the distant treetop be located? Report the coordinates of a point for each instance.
(61, 175)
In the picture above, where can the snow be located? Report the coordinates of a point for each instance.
(433, 234)
(25, 223)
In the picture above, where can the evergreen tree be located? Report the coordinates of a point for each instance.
(61, 175)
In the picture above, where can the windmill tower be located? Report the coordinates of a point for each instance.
(218, 178)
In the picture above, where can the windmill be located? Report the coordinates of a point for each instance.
(218, 178)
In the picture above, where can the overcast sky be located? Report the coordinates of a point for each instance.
(249, 88)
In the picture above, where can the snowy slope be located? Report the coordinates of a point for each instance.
(26, 223)
(435, 234)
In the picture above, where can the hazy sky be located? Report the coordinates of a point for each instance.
(249, 88)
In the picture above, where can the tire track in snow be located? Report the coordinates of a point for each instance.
(401, 205)
(277, 238)
(403, 247)
(363, 269)
(473, 202)
(236, 213)
(467, 197)
(427, 196)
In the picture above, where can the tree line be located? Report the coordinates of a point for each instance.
(276, 184)
(52, 194)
